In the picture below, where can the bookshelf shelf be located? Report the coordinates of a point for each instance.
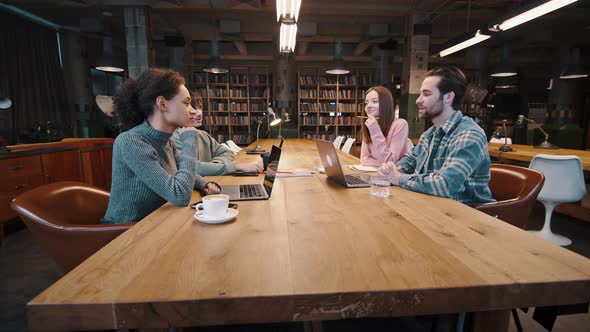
(327, 105)
(231, 101)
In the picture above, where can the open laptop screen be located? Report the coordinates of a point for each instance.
(271, 171)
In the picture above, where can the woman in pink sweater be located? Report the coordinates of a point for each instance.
(377, 148)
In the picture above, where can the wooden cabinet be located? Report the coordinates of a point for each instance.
(17, 175)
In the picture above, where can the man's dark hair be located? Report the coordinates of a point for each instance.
(451, 79)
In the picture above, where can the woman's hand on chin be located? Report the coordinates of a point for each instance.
(370, 121)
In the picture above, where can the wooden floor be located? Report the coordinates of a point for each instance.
(25, 270)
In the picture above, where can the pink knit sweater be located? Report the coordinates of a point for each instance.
(384, 149)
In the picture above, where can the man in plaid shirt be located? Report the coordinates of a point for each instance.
(451, 159)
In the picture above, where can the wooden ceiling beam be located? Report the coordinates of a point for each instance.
(361, 48)
(241, 46)
(328, 58)
(237, 57)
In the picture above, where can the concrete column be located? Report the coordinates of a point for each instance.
(188, 53)
(564, 106)
(414, 69)
(138, 36)
(384, 66)
(176, 59)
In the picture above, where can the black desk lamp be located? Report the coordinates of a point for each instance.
(505, 147)
(545, 144)
(275, 121)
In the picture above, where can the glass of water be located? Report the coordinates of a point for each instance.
(380, 186)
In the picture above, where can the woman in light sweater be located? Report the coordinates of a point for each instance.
(147, 170)
(213, 158)
(384, 137)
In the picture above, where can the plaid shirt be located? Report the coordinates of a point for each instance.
(457, 166)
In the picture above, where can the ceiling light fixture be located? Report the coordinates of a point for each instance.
(5, 102)
(532, 13)
(504, 68)
(214, 65)
(337, 67)
(288, 37)
(477, 38)
(573, 70)
(288, 10)
(108, 62)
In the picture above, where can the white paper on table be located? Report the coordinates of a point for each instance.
(362, 168)
(293, 173)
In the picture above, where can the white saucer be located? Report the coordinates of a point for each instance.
(229, 215)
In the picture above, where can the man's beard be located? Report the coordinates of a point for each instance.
(432, 111)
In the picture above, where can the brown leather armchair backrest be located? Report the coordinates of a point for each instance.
(64, 217)
(515, 190)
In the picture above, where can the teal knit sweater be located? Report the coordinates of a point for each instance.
(213, 158)
(147, 172)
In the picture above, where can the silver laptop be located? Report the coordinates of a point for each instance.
(333, 168)
(256, 191)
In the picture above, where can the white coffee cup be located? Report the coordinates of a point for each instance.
(214, 206)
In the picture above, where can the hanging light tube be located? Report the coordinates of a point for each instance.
(288, 10)
(478, 37)
(288, 37)
(533, 13)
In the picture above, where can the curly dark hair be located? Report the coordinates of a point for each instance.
(136, 99)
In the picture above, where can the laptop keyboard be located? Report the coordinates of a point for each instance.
(250, 191)
(354, 180)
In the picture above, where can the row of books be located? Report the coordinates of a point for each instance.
(221, 92)
(247, 79)
(331, 107)
(239, 120)
(238, 107)
(218, 92)
(321, 120)
(235, 78)
(235, 107)
(238, 92)
(241, 138)
(313, 135)
(216, 120)
(202, 78)
(361, 79)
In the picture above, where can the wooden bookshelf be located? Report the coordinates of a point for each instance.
(327, 105)
(232, 102)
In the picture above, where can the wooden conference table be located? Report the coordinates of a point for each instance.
(314, 251)
(525, 153)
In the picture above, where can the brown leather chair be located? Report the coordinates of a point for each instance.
(515, 190)
(64, 217)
